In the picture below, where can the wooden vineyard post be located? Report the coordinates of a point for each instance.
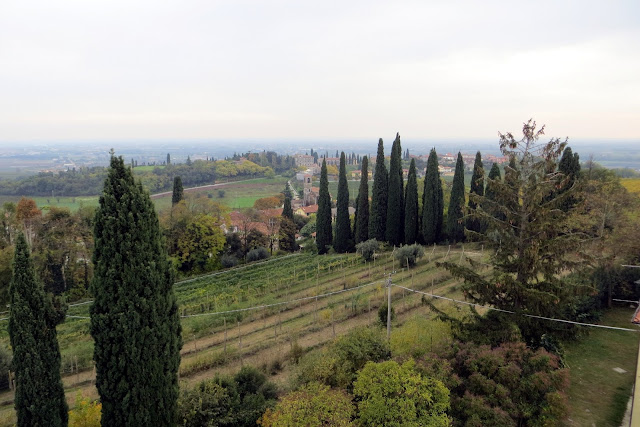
(369, 310)
(225, 335)
(240, 344)
(333, 324)
(389, 308)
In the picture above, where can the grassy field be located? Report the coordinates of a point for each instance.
(241, 194)
(631, 184)
(598, 395)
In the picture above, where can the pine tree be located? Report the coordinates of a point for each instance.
(455, 225)
(168, 159)
(395, 201)
(411, 206)
(379, 197)
(362, 208)
(343, 241)
(432, 202)
(323, 216)
(536, 243)
(178, 191)
(39, 397)
(477, 190)
(135, 322)
(287, 211)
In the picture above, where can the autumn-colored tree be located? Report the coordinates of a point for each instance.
(267, 203)
(199, 246)
(314, 405)
(389, 394)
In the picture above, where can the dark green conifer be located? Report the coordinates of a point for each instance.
(411, 206)
(287, 211)
(455, 225)
(135, 322)
(168, 159)
(395, 201)
(362, 208)
(287, 235)
(494, 174)
(432, 202)
(39, 398)
(379, 197)
(323, 216)
(343, 241)
(569, 166)
(178, 191)
(477, 190)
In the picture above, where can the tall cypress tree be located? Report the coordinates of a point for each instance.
(134, 317)
(287, 211)
(323, 217)
(343, 241)
(411, 206)
(39, 398)
(494, 174)
(379, 197)
(432, 202)
(477, 190)
(362, 209)
(395, 201)
(178, 191)
(569, 166)
(455, 225)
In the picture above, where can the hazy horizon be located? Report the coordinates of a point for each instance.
(193, 69)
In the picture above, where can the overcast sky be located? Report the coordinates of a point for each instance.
(127, 69)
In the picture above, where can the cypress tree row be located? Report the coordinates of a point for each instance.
(39, 397)
(379, 197)
(134, 317)
(395, 203)
(362, 209)
(323, 217)
(411, 206)
(455, 225)
(343, 241)
(432, 202)
(178, 191)
(477, 189)
(287, 211)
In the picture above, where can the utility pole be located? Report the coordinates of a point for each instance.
(635, 401)
(389, 308)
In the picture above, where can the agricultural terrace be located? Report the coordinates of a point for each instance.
(258, 313)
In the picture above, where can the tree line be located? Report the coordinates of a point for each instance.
(89, 181)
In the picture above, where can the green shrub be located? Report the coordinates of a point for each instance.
(410, 254)
(367, 249)
(257, 254)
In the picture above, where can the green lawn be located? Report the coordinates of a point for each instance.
(598, 395)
